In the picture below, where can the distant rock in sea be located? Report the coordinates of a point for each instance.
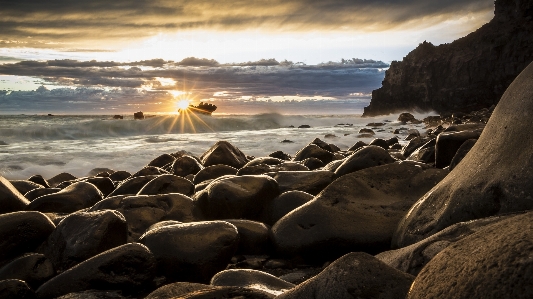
(468, 74)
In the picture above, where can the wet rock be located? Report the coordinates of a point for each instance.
(357, 145)
(39, 180)
(177, 289)
(11, 200)
(162, 160)
(132, 185)
(284, 204)
(357, 212)
(367, 131)
(311, 182)
(425, 153)
(368, 156)
(93, 294)
(280, 155)
(413, 144)
(406, 117)
(392, 141)
(22, 232)
(314, 151)
(167, 183)
(323, 145)
(380, 142)
(460, 154)
(73, 198)
(100, 172)
(129, 268)
(199, 249)
(240, 197)
(25, 186)
(60, 178)
(251, 279)
(355, 275)
(15, 288)
(186, 165)
(34, 269)
(304, 126)
(213, 172)
(104, 184)
(494, 178)
(313, 163)
(254, 237)
(119, 175)
(333, 165)
(81, 236)
(448, 143)
(494, 262)
(264, 160)
(148, 171)
(225, 153)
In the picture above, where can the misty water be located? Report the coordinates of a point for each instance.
(48, 145)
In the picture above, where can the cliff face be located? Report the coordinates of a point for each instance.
(468, 74)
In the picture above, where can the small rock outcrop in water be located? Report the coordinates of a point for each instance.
(467, 74)
(138, 115)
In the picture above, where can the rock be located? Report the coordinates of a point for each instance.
(380, 142)
(11, 200)
(494, 262)
(25, 186)
(100, 171)
(425, 153)
(81, 236)
(357, 145)
(333, 165)
(22, 232)
(251, 279)
(93, 294)
(132, 185)
(254, 237)
(16, 289)
(304, 127)
(264, 160)
(34, 269)
(367, 131)
(357, 212)
(240, 197)
(284, 204)
(39, 180)
(129, 268)
(313, 163)
(280, 155)
(392, 141)
(458, 76)
(119, 175)
(459, 155)
(60, 178)
(448, 143)
(198, 249)
(177, 289)
(494, 178)
(104, 184)
(167, 183)
(411, 259)
(186, 165)
(148, 171)
(368, 156)
(228, 292)
(138, 115)
(406, 117)
(213, 172)
(314, 151)
(162, 160)
(413, 145)
(73, 198)
(142, 211)
(355, 275)
(311, 182)
(225, 153)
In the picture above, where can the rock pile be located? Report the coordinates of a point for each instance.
(224, 225)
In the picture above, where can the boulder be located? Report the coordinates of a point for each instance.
(368, 156)
(149, 170)
(459, 155)
(177, 289)
(448, 143)
(314, 151)
(162, 160)
(83, 235)
(240, 197)
(311, 182)
(194, 251)
(333, 165)
(11, 200)
(132, 185)
(254, 237)
(425, 153)
(323, 145)
(406, 117)
(284, 204)
(33, 268)
(413, 144)
(186, 165)
(357, 145)
(494, 262)
(252, 279)
(228, 292)
(119, 175)
(24, 186)
(104, 184)
(380, 142)
(22, 232)
(225, 153)
(15, 288)
(313, 163)
(39, 180)
(167, 183)
(60, 178)
(213, 172)
(493, 179)
(354, 275)
(93, 294)
(129, 268)
(357, 212)
(73, 198)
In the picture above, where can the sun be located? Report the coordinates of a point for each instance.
(182, 104)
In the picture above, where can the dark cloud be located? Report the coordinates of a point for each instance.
(87, 21)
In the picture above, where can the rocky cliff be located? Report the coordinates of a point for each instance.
(468, 74)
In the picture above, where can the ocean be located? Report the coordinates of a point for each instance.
(49, 145)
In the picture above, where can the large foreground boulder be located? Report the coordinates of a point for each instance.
(11, 200)
(495, 262)
(73, 198)
(494, 178)
(225, 153)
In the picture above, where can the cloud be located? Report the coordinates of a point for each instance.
(64, 23)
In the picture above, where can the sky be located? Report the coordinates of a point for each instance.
(109, 57)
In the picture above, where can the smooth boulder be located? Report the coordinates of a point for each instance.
(311, 182)
(225, 153)
(11, 200)
(252, 279)
(73, 198)
(167, 183)
(32, 268)
(365, 157)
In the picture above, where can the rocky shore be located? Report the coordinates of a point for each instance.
(448, 215)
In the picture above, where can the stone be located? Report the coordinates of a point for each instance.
(284, 204)
(357, 145)
(493, 179)
(314, 151)
(104, 184)
(186, 165)
(367, 131)
(192, 251)
(213, 172)
(354, 275)
(22, 232)
(406, 117)
(225, 153)
(11, 200)
(313, 163)
(100, 170)
(177, 289)
(448, 143)
(323, 145)
(148, 171)
(228, 292)
(39, 180)
(461, 152)
(128, 268)
(280, 155)
(15, 288)
(93, 294)
(357, 212)
(167, 183)
(33, 268)
(413, 145)
(380, 142)
(24, 186)
(494, 262)
(311, 182)
(119, 175)
(254, 237)
(73, 198)
(240, 197)
(252, 279)
(60, 178)
(132, 185)
(425, 153)
(264, 160)
(83, 235)
(368, 156)
(333, 165)
(162, 160)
